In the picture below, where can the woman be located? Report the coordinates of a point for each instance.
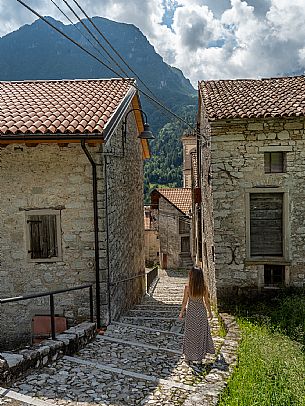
(197, 336)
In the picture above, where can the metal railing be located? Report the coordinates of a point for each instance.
(52, 307)
(150, 277)
(127, 279)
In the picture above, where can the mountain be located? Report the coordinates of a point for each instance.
(36, 51)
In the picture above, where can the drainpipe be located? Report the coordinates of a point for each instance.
(107, 240)
(96, 236)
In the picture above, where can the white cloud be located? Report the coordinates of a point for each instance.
(208, 39)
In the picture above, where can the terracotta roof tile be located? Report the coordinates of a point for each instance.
(66, 106)
(179, 197)
(246, 98)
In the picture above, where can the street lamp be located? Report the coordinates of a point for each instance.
(146, 134)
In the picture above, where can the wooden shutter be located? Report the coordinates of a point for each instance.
(266, 224)
(43, 236)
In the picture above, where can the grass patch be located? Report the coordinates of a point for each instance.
(271, 366)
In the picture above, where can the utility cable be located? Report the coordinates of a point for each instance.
(112, 47)
(82, 34)
(95, 38)
(108, 67)
(116, 52)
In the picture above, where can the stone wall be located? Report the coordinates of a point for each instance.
(50, 176)
(125, 204)
(44, 177)
(207, 211)
(152, 247)
(170, 239)
(237, 159)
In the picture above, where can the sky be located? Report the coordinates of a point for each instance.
(206, 39)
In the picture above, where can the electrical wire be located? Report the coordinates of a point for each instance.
(108, 67)
(83, 35)
(112, 47)
(93, 36)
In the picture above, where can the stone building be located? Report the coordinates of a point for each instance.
(189, 144)
(174, 205)
(151, 235)
(71, 200)
(252, 150)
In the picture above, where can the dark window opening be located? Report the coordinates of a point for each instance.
(274, 275)
(274, 162)
(185, 244)
(184, 227)
(266, 224)
(43, 236)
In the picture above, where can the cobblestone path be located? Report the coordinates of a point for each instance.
(137, 362)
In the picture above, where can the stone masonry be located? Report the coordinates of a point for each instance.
(233, 159)
(170, 239)
(59, 177)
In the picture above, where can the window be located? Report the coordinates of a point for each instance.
(184, 227)
(185, 244)
(274, 275)
(43, 235)
(266, 224)
(274, 162)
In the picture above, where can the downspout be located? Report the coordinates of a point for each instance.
(96, 236)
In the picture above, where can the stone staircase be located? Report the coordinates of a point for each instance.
(138, 360)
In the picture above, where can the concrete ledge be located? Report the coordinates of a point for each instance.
(15, 364)
(207, 393)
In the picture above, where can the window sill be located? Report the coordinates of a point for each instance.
(267, 261)
(44, 260)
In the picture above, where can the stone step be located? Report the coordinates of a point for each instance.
(156, 323)
(157, 306)
(151, 362)
(153, 337)
(153, 313)
(75, 381)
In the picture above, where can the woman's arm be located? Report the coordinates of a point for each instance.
(207, 302)
(184, 301)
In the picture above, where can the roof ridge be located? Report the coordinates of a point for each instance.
(67, 80)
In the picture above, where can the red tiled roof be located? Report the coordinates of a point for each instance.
(246, 98)
(179, 197)
(62, 106)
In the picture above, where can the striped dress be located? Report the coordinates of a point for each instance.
(197, 340)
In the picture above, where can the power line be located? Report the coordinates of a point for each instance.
(93, 36)
(83, 35)
(111, 46)
(108, 67)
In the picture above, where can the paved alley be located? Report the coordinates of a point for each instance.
(138, 360)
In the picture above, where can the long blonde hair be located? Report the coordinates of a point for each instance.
(196, 282)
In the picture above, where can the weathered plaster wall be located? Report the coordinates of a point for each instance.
(237, 158)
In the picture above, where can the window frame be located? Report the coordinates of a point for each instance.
(43, 212)
(269, 259)
(283, 169)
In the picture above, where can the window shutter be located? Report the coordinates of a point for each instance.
(43, 236)
(266, 224)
